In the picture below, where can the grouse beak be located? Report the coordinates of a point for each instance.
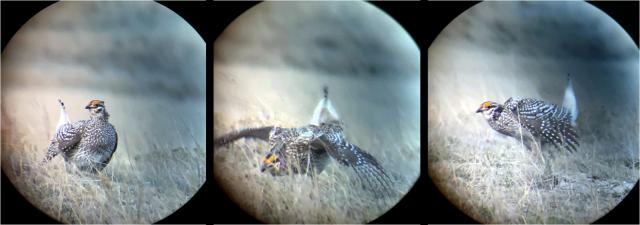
(87, 107)
(479, 110)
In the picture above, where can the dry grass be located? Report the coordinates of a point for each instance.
(153, 172)
(334, 196)
(495, 179)
(370, 65)
(148, 65)
(486, 55)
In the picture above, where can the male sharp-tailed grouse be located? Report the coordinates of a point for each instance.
(87, 144)
(309, 149)
(532, 120)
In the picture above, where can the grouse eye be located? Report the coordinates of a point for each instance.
(268, 156)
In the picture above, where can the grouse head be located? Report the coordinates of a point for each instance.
(272, 162)
(488, 108)
(96, 108)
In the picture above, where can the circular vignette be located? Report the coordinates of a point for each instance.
(148, 65)
(270, 65)
(497, 50)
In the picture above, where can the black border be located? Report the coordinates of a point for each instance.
(210, 19)
(196, 14)
(224, 13)
(15, 208)
(407, 210)
(440, 14)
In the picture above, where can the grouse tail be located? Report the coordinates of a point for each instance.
(64, 117)
(570, 102)
(324, 111)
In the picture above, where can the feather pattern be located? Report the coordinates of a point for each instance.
(309, 149)
(530, 120)
(87, 144)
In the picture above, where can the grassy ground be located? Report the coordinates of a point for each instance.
(498, 50)
(270, 66)
(148, 65)
(158, 166)
(494, 178)
(334, 196)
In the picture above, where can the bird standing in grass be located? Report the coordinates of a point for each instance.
(87, 145)
(309, 149)
(533, 120)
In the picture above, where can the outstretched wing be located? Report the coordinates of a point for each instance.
(365, 165)
(550, 122)
(66, 138)
(260, 133)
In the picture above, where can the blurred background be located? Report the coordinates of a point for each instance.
(148, 65)
(527, 49)
(270, 65)
(497, 50)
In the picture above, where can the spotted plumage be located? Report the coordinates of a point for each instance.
(87, 145)
(309, 149)
(532, 120)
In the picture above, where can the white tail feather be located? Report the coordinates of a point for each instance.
(570, 102)
(324, 112)
(64, 117)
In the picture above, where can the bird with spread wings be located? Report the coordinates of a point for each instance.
(309, 149)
